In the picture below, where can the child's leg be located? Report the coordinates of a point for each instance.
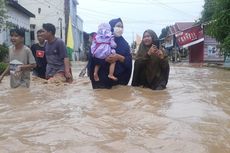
(111, 71)
(95, 74)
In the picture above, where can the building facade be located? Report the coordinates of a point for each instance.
(190, 36)
(46, 11)
(17, 16)
(77, 26)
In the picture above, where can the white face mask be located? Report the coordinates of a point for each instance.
(118, 31)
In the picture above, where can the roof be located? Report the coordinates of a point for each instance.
(20, 8)
(180, 26)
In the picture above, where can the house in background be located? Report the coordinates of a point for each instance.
(77, 26)
(190, 36)
(46, 11)
(57, 12)
(170, 40)
(201, 47)
(18, 16)
(211, 49)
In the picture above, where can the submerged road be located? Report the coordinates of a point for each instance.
(191, 116)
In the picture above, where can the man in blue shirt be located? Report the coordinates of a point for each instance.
(58, 65)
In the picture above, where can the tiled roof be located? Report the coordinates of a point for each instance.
(180, 26)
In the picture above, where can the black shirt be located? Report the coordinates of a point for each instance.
(39, 55)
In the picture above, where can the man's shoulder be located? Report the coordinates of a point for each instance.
(27, 49)
(59, 40)
(34, 45)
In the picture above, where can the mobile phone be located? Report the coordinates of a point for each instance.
(157, 43)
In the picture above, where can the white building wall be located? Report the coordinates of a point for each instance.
(51, 11)
(212, 50)
(18, 18)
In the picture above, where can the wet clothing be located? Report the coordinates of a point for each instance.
(24, 56)
(55, 53)
(151, 73)
(40, 58)
(103, 44)
(149, 70)
(122, 70)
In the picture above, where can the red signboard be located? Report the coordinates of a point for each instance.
(189, 35)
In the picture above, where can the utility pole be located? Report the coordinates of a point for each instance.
(67, 11)
(60, 20)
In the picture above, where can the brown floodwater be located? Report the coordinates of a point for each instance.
(191, 116)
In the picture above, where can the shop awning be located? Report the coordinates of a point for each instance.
(190, 36)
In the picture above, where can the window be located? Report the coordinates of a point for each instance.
(39, 10)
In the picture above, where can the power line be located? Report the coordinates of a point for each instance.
(91, 14)
(141, 3)
(97, 12)
(172, 8)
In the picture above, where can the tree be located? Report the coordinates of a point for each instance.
(208, 11)
(164, 32)
(217, 16)
(2, 12)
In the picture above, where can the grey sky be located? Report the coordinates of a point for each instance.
(138, 15)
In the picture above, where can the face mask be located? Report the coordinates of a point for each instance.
(118, 31)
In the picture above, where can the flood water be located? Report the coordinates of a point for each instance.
(191, 116)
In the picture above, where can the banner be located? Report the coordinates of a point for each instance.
(70, 42)
(190, 35)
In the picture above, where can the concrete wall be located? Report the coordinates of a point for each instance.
(211, 50)
(77, 26)
(51, 11)
(19, 19)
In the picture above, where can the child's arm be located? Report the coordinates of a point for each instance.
(27, 67)
(31, 62)
(4, 73)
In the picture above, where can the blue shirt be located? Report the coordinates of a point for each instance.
(55, 53)
(122, 69)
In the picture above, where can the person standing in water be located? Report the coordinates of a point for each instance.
(58, 64)
(103, 46)
(21, 60)
(151, 67)
(38, 51)
(122, 57)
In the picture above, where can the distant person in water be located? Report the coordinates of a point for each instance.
(103, 46)
(88, 42)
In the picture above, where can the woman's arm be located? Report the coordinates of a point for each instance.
(115, 57)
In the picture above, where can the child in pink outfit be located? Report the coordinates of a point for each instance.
(103, 45)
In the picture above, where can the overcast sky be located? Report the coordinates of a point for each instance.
(138, 15)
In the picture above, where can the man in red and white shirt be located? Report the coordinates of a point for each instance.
(38, 51)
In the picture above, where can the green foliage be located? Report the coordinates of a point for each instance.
(164, 32)
(217, 14)
(2, 12)
(3, 52)
(208, 11)
(3, 66)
